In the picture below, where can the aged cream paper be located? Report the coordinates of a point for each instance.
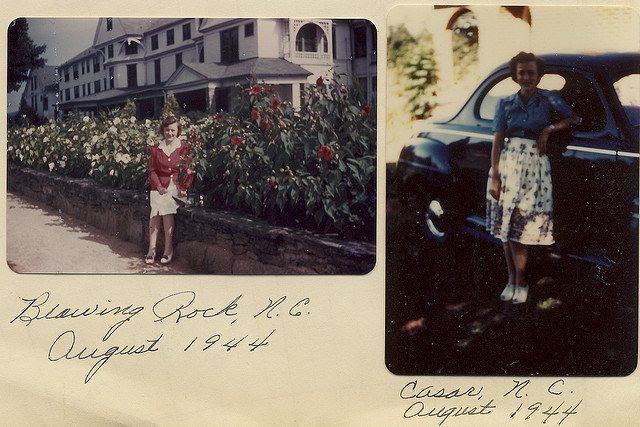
(324, 363)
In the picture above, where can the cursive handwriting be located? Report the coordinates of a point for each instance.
(36, 310)
(409, 392)
(179, 304)
(64, 348)
(418, 409)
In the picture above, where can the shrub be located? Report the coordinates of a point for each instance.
(313, 167)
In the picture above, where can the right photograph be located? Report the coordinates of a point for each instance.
(512, 190)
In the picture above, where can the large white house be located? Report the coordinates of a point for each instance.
(200, 60)
(40, 92)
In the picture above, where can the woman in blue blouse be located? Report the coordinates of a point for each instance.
(519, 200)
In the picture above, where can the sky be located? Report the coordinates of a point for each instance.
(64, 38)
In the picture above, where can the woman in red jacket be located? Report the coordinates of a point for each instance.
(167, 192)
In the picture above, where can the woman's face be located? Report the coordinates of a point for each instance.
(170, 132)
(527, 75)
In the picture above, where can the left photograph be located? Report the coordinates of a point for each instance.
(191, 146)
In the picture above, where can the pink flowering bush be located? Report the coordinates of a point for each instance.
(313, 167)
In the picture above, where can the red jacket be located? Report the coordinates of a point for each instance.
(162, 169)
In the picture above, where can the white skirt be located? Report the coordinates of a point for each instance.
(164, 204)
(524, 212)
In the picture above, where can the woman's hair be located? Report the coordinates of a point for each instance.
(523, 57)
(169, 120)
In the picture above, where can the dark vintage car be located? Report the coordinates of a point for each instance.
(444, 168)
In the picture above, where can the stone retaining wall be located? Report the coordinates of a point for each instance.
(212, 241)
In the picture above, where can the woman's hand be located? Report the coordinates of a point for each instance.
(494, 189)
(542, 141)
(162, 190)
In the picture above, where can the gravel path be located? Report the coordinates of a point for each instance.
(41, 239)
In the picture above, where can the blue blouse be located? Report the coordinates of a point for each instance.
(516, 119)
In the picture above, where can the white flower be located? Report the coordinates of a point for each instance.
(75, 137)
(147, 123)
(85, 119)
(51, 166)
(64, 157)
(113, 129)
(62, 163)
(111, 172)
(132, 119)
(124, 136)
(94, 139)
(45, 139)
(116, 121)
(44, 159)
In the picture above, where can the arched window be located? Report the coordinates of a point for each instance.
(311, 38)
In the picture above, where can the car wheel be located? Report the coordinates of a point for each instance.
(437, 222)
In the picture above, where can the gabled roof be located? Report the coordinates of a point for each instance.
(84, 54)
(259, 67)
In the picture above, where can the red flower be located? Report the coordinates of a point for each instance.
(271, 182)
(275, 103)
(219, 117)
(255, 89)
(326, 153)
(264, 125)
(269, 90)
(255, 115)
(320, 81)
(236, 140)
(366, 109)
(343, 89)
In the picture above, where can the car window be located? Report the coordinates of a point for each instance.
(628, 91)
(576, 89)
(508, 87)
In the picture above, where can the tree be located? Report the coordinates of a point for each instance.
(23, 55)
(412, 61)
(171, 106)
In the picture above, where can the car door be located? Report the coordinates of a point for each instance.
(588, 177)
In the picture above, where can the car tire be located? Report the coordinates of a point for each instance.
(436, 221)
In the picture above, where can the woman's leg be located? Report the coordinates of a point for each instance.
(168, 222)
(154, 228)
(520, 256)
(511, 268)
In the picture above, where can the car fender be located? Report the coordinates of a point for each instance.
(426, 162)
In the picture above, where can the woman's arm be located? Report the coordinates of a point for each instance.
(153, 171)
(555, 127)
(188, 174)
(496, 149)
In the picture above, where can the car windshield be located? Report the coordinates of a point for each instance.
(628, 91)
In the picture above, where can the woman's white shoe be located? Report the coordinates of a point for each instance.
(520, 295)
(507, 293)
(166, 259)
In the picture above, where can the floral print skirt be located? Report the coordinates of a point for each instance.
(524, 212)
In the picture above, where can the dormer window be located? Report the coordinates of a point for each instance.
(131, 48)
(311, 38)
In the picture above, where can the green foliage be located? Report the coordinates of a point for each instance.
(465, 44)
(413, 58)
(22, 54)
(26, 116)
(171, 106)
(313, 167)
(129, 109)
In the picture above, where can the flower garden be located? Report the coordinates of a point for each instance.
(312, 167)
